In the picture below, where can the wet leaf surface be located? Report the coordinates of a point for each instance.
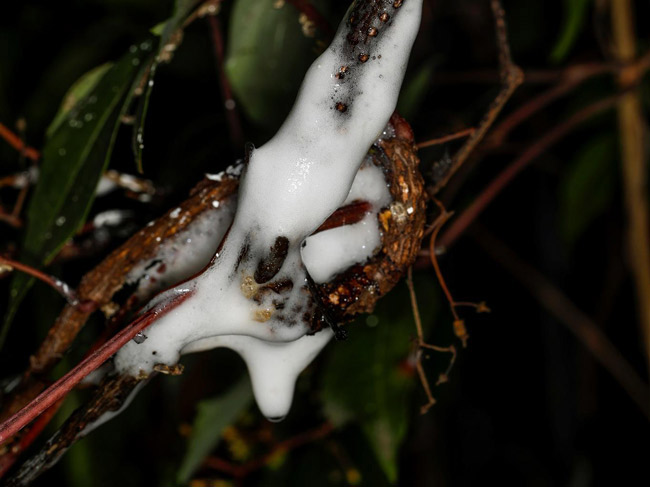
(267, 56)
(74, 158)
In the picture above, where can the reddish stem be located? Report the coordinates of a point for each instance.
(497, 185)
(14, 141)
(57, 284)
(61, 387)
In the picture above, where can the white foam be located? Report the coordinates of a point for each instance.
(289, 188)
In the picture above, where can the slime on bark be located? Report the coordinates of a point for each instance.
(290, 186)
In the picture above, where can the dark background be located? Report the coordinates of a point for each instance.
(527, 404)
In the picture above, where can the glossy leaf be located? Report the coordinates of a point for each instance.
(575, 12)
(74, 158)
(587, 186)
(267, 57)
(213, 416)
(76, 93)
(368, 378)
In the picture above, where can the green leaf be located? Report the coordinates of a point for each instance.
(212, 417)
(165, 30)
(587, 186)
(74, 158)
(267, 57)
(367, 378)
(575, 12)
(414, 91)
(77, 92)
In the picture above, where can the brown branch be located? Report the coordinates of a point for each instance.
(632, 128)
(497, 185)
(66, 383)
(577, 322)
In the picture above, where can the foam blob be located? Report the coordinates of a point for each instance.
(254, 297)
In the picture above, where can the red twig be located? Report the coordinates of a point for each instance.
(10, 219)
(57, 284)
(9, 458)
(497, 185)
(66, 383)
(14, 141)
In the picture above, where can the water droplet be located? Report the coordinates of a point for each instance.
(62, 151)
(215, 203)
(139, 338)
(145, 46)
(150, 82)
(133, 49)
(60, 221)
(230, 104)
(88, 117)
(92, 99)
(135, 61)
(372, 321)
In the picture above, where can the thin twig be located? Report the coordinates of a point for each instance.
(573, 77)
(446, 138)
(66, 383)
(553, 136)
(511, 77)
(422, 344)
(10, 219)
(577, 322)
(57, 284)
(632, 128)
(14, 141)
